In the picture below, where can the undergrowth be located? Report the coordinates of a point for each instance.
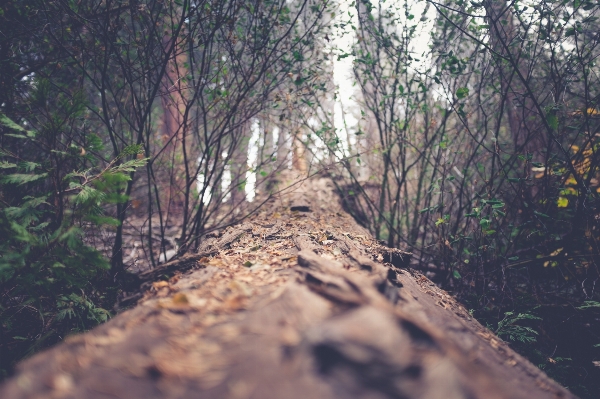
(52, 283)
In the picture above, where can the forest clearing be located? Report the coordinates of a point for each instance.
(283, 193)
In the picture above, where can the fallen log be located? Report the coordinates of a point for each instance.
(298, 302)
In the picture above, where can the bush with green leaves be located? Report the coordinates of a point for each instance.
(53, 185)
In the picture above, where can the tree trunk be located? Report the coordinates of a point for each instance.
(297, 302)
(172, 129)
(265, 175)
(239, 166)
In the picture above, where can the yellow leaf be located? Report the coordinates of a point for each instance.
(569, 191)
(571, 180)
(159, 284)
(562, 202)
(559, 250)
(180, 299)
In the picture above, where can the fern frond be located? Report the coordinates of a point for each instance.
(22, 178)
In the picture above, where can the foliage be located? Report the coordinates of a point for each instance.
(564, 343)
(514, 332)
(50, 279)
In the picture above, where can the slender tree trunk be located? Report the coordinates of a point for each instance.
(282, 146)
(239, 165)
(265, 176)
(173, 128)
(299, 162)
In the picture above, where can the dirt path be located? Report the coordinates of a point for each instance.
(297, 302)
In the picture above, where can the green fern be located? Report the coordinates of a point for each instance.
(507, 327)
(589, 305)
(49, 277)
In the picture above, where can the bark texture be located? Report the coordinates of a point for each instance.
(297, 302)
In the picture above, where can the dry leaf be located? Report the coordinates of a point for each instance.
(160, 284)
(180, 299)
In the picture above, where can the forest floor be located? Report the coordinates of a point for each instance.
(298, 301)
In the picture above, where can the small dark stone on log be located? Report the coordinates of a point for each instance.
(300, 208)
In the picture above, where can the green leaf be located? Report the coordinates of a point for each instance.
(589, 305)
(40, 227)
(22, 178)
(7, 165)
(16, 136)
(456, 275)
(130, 166)
(491, 202)
(89, 195)
(133, 149)
(562, 202)
(462, 92)
(103, 220)
(34, 202)
(552, 120)
(29, 166)
(7, 122)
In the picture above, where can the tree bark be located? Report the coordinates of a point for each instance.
(297, 302)
(239, 165)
